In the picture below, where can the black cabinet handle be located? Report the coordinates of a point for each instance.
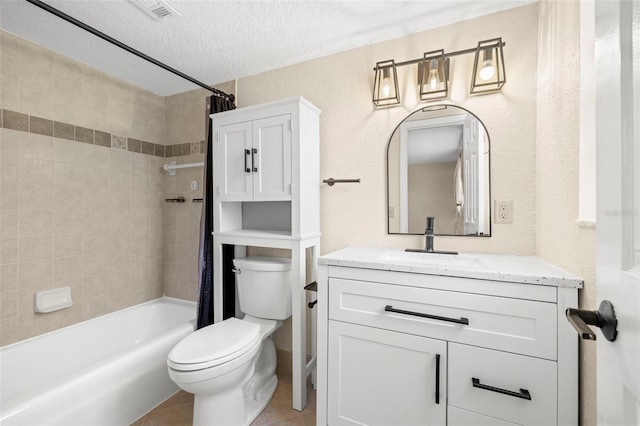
(437, 378)
(246, 166)
(524, 394)
(254, 151)
(390, 308)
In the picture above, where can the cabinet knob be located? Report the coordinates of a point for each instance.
(604, 318)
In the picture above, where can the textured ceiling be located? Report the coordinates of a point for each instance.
(215, 41)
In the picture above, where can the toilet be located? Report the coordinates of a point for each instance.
(230, 366)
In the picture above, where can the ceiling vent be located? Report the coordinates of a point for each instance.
(157, 9)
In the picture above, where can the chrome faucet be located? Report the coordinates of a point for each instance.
(428, 234)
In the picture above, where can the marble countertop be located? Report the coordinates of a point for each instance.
(496, 267)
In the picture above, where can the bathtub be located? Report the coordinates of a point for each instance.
(110, 370)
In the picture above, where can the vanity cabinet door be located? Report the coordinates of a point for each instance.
(514, 388)
(380, 377)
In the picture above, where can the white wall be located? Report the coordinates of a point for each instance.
(560, 240)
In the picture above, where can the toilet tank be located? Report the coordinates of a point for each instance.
(264, 286)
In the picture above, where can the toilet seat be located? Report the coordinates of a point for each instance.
(214, 345)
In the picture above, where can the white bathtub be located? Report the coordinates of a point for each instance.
(110, 370)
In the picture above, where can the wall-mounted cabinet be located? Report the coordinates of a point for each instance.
(254, 160)
(266, 186)
(267, 160)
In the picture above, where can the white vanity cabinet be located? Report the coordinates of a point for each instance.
(254, 160)
(411, 342)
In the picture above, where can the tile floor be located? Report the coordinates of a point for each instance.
(178, 410)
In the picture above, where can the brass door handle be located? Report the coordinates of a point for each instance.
(604, 318)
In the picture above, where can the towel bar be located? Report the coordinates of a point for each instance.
(332, 181)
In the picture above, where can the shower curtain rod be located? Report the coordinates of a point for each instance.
(121, 45)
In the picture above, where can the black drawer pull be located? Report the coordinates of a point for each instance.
(390, 308)
(524, 394)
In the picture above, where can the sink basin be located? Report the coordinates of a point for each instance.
(433, 260)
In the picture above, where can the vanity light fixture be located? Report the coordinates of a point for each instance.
(488, 67)
(385, 85)
(433, 76)
(433, 73)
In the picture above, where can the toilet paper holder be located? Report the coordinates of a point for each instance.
(312, 286)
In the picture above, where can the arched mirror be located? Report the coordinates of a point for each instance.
(438, 165)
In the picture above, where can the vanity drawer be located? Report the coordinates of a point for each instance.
(514, 388)
(514, 325)
(459, 417)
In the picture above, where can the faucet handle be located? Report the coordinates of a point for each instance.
(430, 223)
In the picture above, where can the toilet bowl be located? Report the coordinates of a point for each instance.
(230, 366)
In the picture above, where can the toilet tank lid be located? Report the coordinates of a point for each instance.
(263, 263)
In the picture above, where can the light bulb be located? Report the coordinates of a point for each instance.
(433, 79)
(487, 71)
(386, 82)
(386, 87)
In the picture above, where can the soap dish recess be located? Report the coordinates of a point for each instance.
(52, 300)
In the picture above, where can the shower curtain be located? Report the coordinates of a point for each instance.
(218, 103)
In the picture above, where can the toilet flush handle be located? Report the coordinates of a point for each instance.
(236, 271)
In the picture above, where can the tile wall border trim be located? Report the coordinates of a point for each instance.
(18, 121)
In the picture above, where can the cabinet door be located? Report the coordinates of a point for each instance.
(380, 377)
(234, 162)
(271, 159)
(515, 388)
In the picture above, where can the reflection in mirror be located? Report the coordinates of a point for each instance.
(438, 165)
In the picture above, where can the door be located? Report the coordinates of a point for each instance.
(234, 162)
(470, 177)
(271, 156)
(618, 206)
(380, 377)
